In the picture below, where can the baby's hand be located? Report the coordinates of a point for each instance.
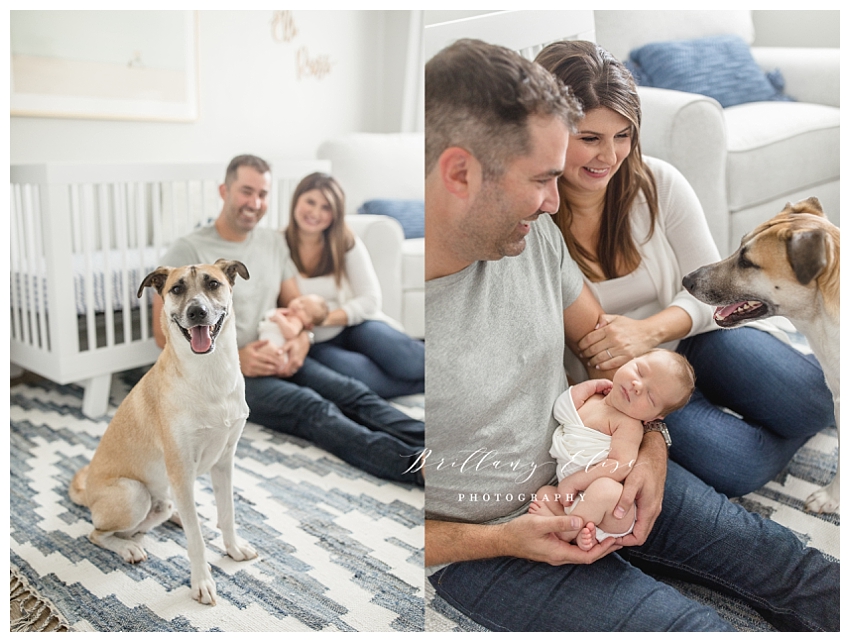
(583, 391)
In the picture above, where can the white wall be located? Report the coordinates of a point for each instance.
(250, 98)
(796, 28)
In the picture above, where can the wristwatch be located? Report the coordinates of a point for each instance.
(658, 426)
(311, 337)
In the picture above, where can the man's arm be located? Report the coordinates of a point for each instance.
(645, 486)
(530, 537)
(580, 318)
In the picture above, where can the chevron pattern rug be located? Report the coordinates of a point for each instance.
(339, 550)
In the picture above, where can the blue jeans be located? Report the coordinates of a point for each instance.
(699, 536)
(340, 415)
(780, 394)
(388, 361)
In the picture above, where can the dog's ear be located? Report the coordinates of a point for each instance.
(810, 205)
(156, 280)
(231, 269)
(813, 204)
(807, 254)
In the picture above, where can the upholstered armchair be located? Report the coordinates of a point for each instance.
(745, 161)
(387, 171)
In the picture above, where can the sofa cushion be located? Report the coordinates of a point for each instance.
(410, 213)
(413, 264)
(718, 66)
(789, 146)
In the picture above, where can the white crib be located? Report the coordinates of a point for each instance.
(82, 239)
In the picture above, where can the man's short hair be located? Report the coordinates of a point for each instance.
(480, 96)
(244, 160)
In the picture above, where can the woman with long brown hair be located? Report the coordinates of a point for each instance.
(635, 227)
(356, 338)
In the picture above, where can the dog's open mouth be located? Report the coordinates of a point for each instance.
(201, 338)
(728, 316)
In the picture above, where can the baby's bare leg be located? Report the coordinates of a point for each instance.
(596, 508)
(547, 504)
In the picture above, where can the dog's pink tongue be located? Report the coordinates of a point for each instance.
(725, 312)
(201, 340)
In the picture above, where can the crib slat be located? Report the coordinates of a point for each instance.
(87, 227)
(141, 238)
(40, 302)
(18, 264)
(121, 277)
(55, 220)
(106, 214)
(33, 259)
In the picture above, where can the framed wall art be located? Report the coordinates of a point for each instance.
(125, 65)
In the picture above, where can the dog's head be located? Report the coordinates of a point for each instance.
(196, 300)
(781, 268)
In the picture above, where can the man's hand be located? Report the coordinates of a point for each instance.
(532, 537)
(644, 486)
(295, 351)
(261, 359)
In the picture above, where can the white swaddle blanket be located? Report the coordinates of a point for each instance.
(574, 445)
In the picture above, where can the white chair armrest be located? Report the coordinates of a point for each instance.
(383, 238)
(689, 132)
(811, 74)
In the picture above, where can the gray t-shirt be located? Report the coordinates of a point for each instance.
(494, 367)
(264, 253)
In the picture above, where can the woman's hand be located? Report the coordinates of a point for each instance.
(615, 341)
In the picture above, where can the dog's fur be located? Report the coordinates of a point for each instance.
(788, 266)
(181, 420)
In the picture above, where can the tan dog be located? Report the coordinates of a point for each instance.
(788, 266)
(181, 420)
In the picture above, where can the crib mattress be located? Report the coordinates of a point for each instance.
(112, 276)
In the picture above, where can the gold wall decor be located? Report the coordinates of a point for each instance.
(315, 67)
(283, 26)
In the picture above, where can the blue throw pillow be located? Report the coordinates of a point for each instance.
(410, 213)
(719, 66)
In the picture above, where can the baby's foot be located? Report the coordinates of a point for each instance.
(586, 539)
(539, 508)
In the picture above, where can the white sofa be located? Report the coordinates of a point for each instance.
(372, 166)
(744, 162)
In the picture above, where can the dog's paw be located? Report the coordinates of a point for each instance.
(822, 501)
(241, 551)
(203, 590)
(132, 552)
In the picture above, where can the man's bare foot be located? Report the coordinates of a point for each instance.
(586, 539)
(540, 508)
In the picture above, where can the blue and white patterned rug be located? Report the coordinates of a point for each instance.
(339, 550)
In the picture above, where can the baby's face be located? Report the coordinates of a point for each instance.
(645, 386)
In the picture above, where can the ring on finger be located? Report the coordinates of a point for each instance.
(610, 356)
